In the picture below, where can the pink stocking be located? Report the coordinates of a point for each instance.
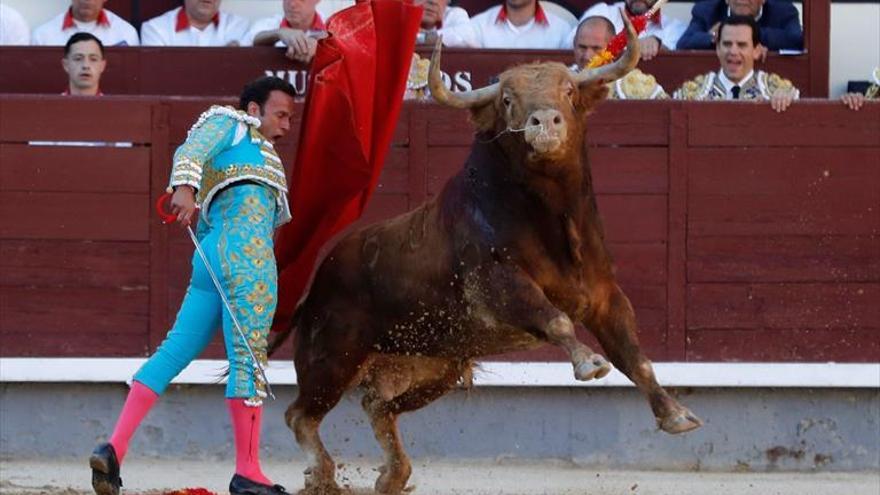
(246, 423)
(138, 403)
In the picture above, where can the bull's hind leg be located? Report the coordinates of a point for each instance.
(397, 384)
(321, 386)
(613, 321)
(512, 298)
(397, 468)
(304, 417)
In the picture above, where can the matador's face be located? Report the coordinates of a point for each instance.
(275, 115)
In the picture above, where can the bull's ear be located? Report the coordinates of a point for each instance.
(591, 94)
(485, 116)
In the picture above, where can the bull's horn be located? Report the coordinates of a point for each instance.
(619, 68)
(464, 99)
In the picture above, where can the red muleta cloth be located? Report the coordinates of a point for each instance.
(356, 85)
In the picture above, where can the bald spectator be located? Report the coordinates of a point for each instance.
(86, 16)
(778, 20)
(660, 33)
(84, 64)
(14, 29)
(196, 23)
(591, 37)
(437, 16)
(298, 27)
(522, 24)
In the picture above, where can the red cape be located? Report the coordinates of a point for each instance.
(356, 86)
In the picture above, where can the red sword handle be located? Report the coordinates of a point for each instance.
(164, 214)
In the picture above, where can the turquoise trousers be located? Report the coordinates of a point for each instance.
(236, 236)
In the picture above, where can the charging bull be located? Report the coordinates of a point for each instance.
(508, 257)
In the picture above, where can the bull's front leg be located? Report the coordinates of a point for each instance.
(512, 298)
(612, 320)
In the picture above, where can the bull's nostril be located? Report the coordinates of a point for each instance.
(557, 120)
(534, 121)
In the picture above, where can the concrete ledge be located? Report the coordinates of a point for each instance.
(489, 374)
(746, 429)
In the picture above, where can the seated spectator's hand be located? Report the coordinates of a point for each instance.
(853, 100)
(649, 47)
(762, 52)
(430, 38)
(305, 56)
(295, 39)
(781, 100)
(183, 204)
(714, 32)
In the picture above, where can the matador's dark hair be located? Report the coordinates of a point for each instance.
(257, 91)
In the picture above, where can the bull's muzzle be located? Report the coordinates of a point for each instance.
(545, 130)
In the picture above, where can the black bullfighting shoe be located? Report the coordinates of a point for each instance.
(243, 486)
(105, 470)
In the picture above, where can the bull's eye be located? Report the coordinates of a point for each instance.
(506, 101)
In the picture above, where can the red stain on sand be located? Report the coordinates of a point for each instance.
(191, 491)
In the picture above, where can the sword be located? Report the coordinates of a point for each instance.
(170, 218)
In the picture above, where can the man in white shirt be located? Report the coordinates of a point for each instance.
(14, 29)
(437, 16)
(196, 23)
(298, 28)
(661, 32)
(86, 16)
(522, 24)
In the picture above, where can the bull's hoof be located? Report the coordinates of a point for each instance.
(594, 367)
(680, 420)
(392, 481)
(332, 489)
(318, 483)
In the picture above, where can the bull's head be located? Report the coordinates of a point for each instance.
(544, 103)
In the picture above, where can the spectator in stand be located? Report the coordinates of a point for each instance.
(14, 29)
(778, 20)
(298, 28)
(86, 16)
(196, 23)
(661, 32)
(738, 49)
(438, 15)
(591, 37)
(523, 24)
(855, 100)
(84, 63)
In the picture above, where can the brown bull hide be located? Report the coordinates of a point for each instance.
(507, 257)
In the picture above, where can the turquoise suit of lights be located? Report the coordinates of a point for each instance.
(242, 192)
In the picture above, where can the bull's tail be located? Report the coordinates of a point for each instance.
(284, 334)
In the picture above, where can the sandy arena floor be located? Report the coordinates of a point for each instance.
(440, 478)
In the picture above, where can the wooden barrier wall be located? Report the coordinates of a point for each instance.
(740, 234)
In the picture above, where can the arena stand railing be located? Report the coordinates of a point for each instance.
(223, 71)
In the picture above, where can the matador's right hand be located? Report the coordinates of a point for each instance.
(183, 204)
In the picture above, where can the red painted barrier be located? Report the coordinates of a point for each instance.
(740, 234)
